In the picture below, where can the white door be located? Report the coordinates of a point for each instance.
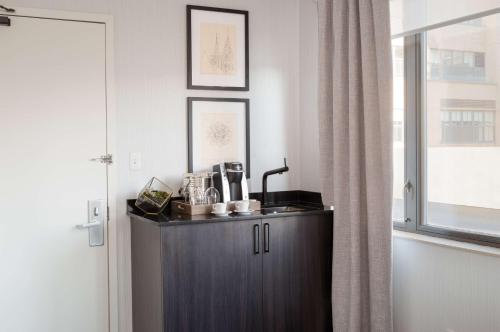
(52, 121)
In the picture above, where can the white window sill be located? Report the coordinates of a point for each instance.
(447, 243)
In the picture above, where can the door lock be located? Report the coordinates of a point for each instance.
(95, 224)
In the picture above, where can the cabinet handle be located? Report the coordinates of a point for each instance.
(256, 239)
(266, 237)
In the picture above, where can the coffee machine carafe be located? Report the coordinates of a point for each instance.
(231, 181)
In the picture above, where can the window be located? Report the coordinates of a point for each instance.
(398, 58)
(468, 121)
(447, 158)
(398, 129)
(456, 65)
(465, 126)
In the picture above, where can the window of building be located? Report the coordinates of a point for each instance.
(456, 65)
(446, 169)
(467, 127)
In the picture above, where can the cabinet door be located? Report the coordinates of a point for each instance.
(297, 273)
(213, 277)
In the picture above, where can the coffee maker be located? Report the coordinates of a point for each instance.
(231, 181)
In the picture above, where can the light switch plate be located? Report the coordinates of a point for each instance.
(135, 161)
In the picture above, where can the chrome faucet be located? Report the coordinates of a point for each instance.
(264, 180)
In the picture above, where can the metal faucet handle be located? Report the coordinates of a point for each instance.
(285, 161)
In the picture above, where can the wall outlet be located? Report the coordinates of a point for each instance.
(135, 161)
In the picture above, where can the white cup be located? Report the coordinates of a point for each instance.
(219, 208)
(242, 206)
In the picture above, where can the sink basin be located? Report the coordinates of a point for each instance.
(281, 209)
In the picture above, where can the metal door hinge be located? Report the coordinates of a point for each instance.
(107, 212)
(106, 159)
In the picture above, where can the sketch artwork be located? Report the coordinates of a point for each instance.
(218, 141)
(218, 130)
(219, 134)
(218, 49)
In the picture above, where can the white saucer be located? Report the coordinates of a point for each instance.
(223, 214)
(244, 213)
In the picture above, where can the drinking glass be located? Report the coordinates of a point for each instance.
(196, 191)
(212, 195)
(184, 191)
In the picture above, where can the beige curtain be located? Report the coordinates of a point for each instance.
(355, 106)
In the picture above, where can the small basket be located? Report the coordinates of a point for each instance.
(154, 197)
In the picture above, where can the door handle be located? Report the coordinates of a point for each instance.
(256, 239)
(95, 224)
(266, 237)
(89, 225)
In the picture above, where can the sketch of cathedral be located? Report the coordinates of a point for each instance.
(222, 60)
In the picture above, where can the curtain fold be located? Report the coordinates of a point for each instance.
(355, 117)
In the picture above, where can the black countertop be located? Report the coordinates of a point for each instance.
(309, 201)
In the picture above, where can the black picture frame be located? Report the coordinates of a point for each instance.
(190, 85)
(190, 110)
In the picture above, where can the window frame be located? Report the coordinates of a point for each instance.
(415, 151)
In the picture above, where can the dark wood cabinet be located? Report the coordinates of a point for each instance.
(271, 274)
(213, 278)
(297, 274)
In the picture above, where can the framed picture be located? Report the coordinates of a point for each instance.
(218, 131)
(217, 49)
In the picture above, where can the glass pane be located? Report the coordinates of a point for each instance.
(458, 57)
(447, 57)
(469, 59)
(460, 129)
(467, 116)
(434, 56)
(398, 129)
(479, 59)
(489, 117)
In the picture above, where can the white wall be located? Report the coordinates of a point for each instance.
(445, 289)
(309, 138)
(150, 67)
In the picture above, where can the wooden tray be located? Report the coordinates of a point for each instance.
(193, 210)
